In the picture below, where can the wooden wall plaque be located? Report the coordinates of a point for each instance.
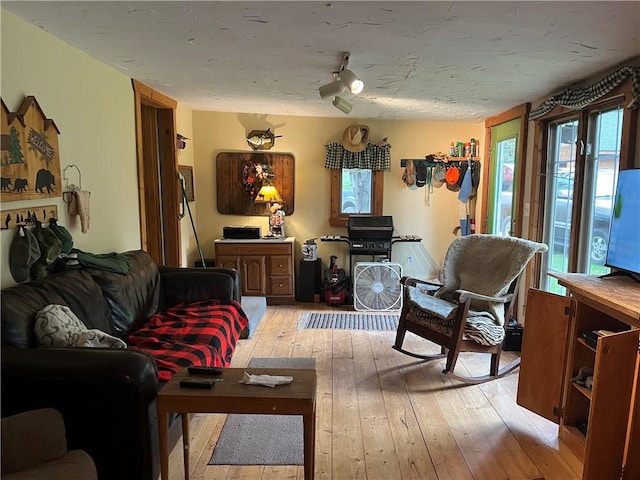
(239, 176)
(30, 157)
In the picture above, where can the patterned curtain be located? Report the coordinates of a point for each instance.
(577, 98)
(372, 158)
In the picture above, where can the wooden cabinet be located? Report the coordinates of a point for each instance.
(265, 266)
(553, 352)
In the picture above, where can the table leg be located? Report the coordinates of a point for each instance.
(163, 427)
(185, 443)
(309, 422)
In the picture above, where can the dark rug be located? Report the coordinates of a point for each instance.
(349, 321)
(263, 439)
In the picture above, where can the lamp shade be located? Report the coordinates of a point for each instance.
(268, 194)
(331, 89)
(352, 81)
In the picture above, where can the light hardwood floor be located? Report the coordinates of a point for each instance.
(382, 415)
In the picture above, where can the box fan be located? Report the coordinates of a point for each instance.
(376, 287)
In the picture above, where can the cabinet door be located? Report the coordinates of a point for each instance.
(544, 354)
(254, 279)
(613, 375)
(228, 261)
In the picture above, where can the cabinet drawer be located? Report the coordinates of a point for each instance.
(254, 248)
(280, 265)
(281, 285)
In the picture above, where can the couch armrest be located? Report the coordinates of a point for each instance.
(190, 285)
(107, 398)
(30, 438)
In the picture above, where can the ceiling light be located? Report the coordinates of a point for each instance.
(332, 89)
(342, 105)
(351, 81)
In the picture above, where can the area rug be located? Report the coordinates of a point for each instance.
(254, 308)
(349, 321)
(263, 439)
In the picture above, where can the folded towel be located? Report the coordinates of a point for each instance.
(266, 380)
(79, 205)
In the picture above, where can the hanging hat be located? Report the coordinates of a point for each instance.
(439, 175)
(421, 174)
(355, 138)
(24, 252)
(452, 176)
(409, 176)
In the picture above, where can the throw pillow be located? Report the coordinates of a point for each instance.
(58, 326)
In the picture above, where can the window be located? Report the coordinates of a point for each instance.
(355, 190)
(357, 180)
(582, 152)
(583, 248)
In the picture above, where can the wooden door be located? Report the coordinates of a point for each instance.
(159, 194)
(544, 354)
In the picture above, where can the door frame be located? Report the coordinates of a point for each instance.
(158, 187)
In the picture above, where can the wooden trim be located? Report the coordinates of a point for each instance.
(159, 195)
(153, 97)
(522, 112)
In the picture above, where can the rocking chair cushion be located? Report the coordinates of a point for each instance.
(438, 315)
(436, 306)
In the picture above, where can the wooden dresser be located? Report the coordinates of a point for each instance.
(266, 266)
(601, 424)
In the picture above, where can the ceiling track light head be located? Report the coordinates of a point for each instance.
(332, 89)
(352, 81)
(342, 105)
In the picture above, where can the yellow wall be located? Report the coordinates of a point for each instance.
(305, 137)
(92, 105)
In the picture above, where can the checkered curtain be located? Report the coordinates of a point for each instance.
(577, 98)
(372, 158)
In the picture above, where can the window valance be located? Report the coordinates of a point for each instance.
(372, 157)
(577, 98)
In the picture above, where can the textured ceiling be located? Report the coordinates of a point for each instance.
(448, 61)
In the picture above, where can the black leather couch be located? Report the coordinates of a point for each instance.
(107, 396)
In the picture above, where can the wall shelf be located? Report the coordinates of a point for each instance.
(454, 161)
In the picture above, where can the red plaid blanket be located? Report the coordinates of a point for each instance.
(201, 333)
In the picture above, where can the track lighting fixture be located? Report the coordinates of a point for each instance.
(351, 81)
(342, 79)
(332, 89)
(342, 105)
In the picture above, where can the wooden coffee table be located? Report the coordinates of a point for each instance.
(230, 396)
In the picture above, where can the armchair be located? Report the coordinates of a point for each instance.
(469, 312)
(34, 447)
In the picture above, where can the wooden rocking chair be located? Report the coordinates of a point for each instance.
(470, 311)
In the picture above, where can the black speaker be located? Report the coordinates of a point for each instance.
(309, 281)
(208, 262)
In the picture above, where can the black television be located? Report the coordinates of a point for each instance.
(623, 253)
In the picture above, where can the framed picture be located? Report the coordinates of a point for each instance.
(187, 172)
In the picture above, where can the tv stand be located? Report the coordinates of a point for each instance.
(621, 273)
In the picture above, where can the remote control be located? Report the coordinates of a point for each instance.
(190, 383)
(205, 370)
